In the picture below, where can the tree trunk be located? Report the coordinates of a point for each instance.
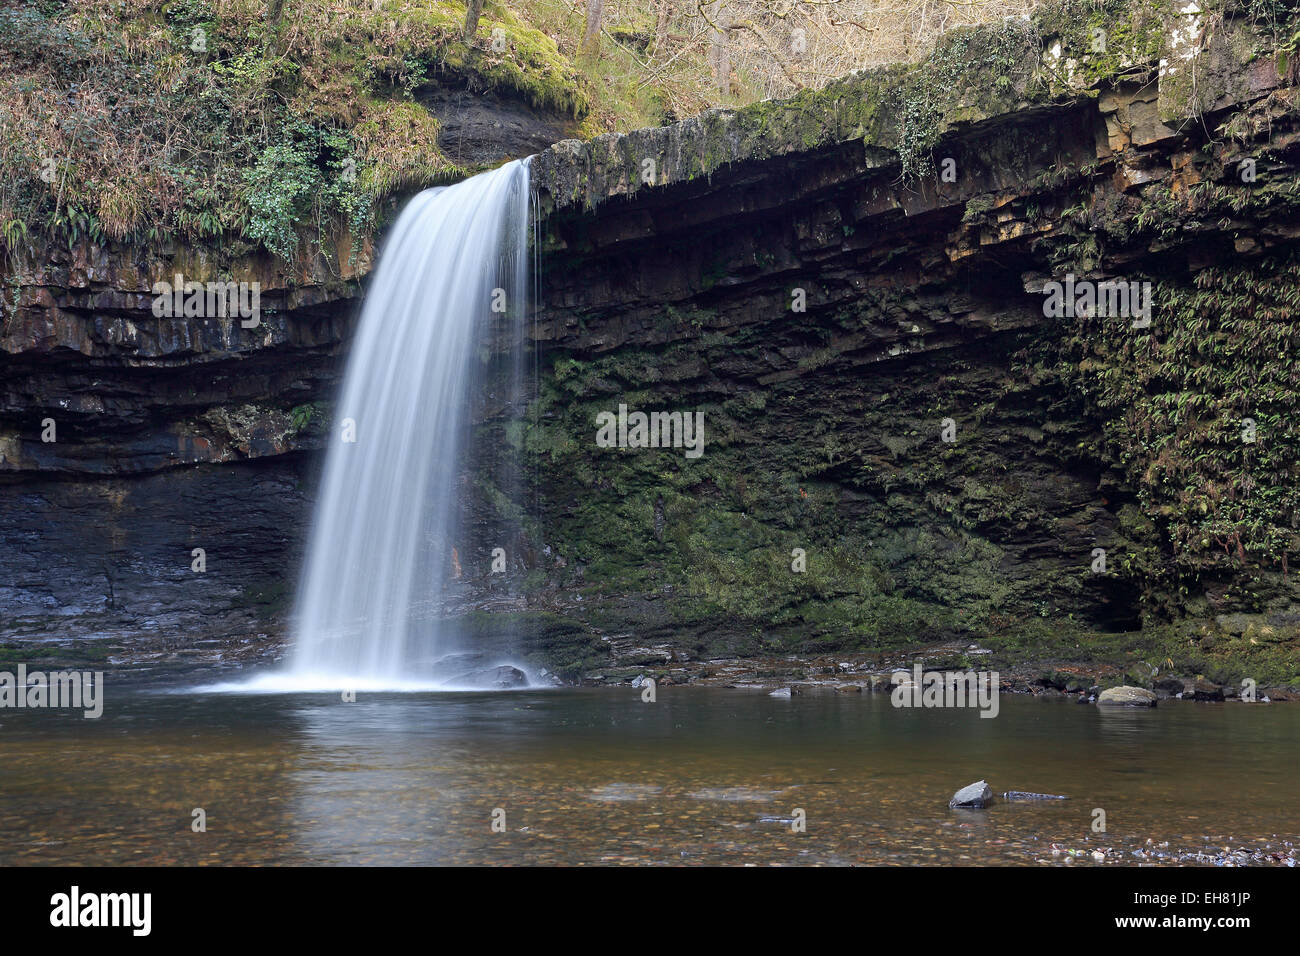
(719, 51)
(591, 39)
(472, 10)
(661, 24)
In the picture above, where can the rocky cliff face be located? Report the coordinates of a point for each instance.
(120, 432)
(899, 445)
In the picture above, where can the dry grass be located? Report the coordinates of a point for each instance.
(679, 57)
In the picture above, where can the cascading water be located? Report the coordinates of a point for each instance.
(379, 553)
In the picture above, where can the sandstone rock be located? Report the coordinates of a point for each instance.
(1127, 696)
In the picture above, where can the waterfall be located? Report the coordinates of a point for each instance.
(380, 548)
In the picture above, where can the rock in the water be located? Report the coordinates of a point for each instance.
(1127, 696)
(1016, 796)
(780, 692)
(976, 795)
(493, 678)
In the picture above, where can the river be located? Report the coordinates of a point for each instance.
(577, 776)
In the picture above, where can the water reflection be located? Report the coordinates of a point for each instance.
(707, 776)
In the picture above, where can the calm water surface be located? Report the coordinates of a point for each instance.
(703, 776)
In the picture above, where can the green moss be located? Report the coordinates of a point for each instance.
(507, 55)
(39, 655)
(1100, 41)
(971, 73)
(267, 600)
(718, 533)
(1185, 650)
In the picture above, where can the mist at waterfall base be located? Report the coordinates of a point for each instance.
(368, 613)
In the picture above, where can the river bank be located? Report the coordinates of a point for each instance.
(629, 662)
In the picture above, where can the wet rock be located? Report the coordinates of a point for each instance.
(1054, 679)
(1167, 687)
(485, 128)
(1202, 690)
(1236, 624)
(1024, 796)
(504, 677)
(977, 795)
(1127, 696)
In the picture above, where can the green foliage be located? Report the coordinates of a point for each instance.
(309, 176)
(1272, 14)
(970, 63)
(302, 416)
(270, 131)
(280, 188)
(1202, 416)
